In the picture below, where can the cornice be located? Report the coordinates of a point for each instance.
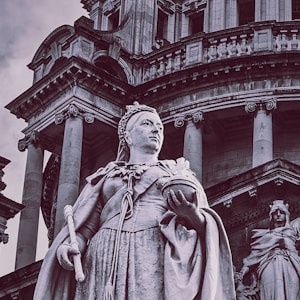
(276, 171)
(224, 197)
(72, 73)
(21, 278)
(8, 207)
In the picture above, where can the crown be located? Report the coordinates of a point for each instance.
(279, 204)
(130, 111)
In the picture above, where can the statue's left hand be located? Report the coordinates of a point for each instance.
(186, 209)
(180, 205)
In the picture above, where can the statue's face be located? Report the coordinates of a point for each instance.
(144, 132)
(279, 218)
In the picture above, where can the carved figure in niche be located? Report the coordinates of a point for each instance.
(274, 258)
(144, 228)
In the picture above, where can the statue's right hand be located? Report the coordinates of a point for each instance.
(64, 254)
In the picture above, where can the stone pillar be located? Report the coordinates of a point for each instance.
(262, 130)
(69, 176)
(31, 199)
(192, 148)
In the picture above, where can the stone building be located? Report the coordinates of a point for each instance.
(224, 76)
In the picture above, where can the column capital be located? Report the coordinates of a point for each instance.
(73, 111)
(195, 117)
(38, 139)
(31, 138)
(267, 104)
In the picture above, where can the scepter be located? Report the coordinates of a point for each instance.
(68, 213)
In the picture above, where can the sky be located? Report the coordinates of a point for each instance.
(24, 24)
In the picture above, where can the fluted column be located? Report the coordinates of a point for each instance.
(69, 175)
(192, 148)
(262, 130)
(32, 192)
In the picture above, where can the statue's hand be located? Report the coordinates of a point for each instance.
(64, 254)
(186, 209)
(239, 276)
(180, 205)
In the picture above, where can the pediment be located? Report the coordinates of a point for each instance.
(244, 199)
(51, 46)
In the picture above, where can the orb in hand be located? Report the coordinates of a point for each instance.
(187, 186)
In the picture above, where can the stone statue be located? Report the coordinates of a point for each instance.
(144, 228)
(274, 259)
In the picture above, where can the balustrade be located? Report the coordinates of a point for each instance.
(207, 48)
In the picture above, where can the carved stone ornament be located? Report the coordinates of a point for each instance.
(74, 111)
(32, 138)
(267, 104)
(195, 117)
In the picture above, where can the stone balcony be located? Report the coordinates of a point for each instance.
(204, 48)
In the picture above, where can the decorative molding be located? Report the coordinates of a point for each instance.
(73, 111)
(36, 138)
(278, 181)
(195, 117)
(167, 5)
(3, 236)
(228, 203)
(253, 193)
(268, 104)
(194, 6)
(32, 138)
(271, 171)
(110, 7)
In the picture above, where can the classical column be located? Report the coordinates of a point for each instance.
(262, 130)
(69, 176)
(192, 148)
(32, 192)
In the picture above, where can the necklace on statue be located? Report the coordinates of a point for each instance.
(127, 170)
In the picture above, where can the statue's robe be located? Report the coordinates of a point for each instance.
(159, 258)
(275, 259)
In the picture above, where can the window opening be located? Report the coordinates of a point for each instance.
(246, 11)
(196, 22)
(162, 25)
(113, 20)
(296, 9)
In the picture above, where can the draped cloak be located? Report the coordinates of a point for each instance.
(275, 258)
(194, 266)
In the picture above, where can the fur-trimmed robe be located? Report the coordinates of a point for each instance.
(193, 268)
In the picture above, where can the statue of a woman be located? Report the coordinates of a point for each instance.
(274, 257)
(135, 242)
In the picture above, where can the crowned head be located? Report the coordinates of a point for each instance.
(279, 205)
(133, 112)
